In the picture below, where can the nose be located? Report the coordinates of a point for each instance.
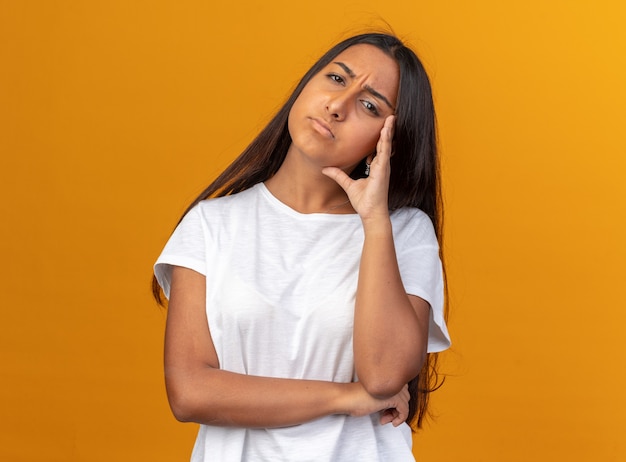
(337, 105)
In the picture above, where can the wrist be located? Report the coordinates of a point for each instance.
(346, 399)
(377, 225)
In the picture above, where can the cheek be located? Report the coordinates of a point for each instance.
(303, 100)
(367, 138)
(293, 117)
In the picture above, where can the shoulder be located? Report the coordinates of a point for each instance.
(227, 205)
(411, 218)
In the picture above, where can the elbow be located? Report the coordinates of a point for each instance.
(187, 396)
(382, 387)
(383, 384)
(182, 405)
(182, 410)
(181, 414)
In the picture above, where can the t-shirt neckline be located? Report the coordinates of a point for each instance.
(284, 208)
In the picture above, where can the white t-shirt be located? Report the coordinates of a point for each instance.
(280, 298)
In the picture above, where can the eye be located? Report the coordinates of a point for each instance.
(336, 78)
(369, 106)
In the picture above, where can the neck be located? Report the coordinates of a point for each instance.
(306, 189)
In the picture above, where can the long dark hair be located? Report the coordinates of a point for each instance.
(414, 178)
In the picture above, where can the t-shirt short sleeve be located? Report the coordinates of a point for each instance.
(186, 247)
(422, 274)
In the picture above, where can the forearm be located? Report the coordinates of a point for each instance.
(216, 397)
(199, 391)
(389, 336)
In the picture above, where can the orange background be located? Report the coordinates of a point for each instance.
(115, 114)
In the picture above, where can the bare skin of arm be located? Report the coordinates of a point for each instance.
(199, 391)
(390, 327)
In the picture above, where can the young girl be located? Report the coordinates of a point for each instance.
(305, 286)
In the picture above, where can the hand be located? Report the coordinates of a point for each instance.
(398, 413)
(393, 410)
(369, 195)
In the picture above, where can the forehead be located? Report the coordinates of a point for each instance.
(368, 62)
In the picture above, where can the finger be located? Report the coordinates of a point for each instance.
(386, 417)
(339, 176)
(399, 420)
(383, 148)
(400, 415)
(402, 409)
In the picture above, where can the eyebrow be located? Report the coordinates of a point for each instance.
(369, 89)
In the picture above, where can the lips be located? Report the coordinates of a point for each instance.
(320, 126)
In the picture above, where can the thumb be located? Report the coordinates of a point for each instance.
(339, 176)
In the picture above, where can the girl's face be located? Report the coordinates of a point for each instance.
(336, 120)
